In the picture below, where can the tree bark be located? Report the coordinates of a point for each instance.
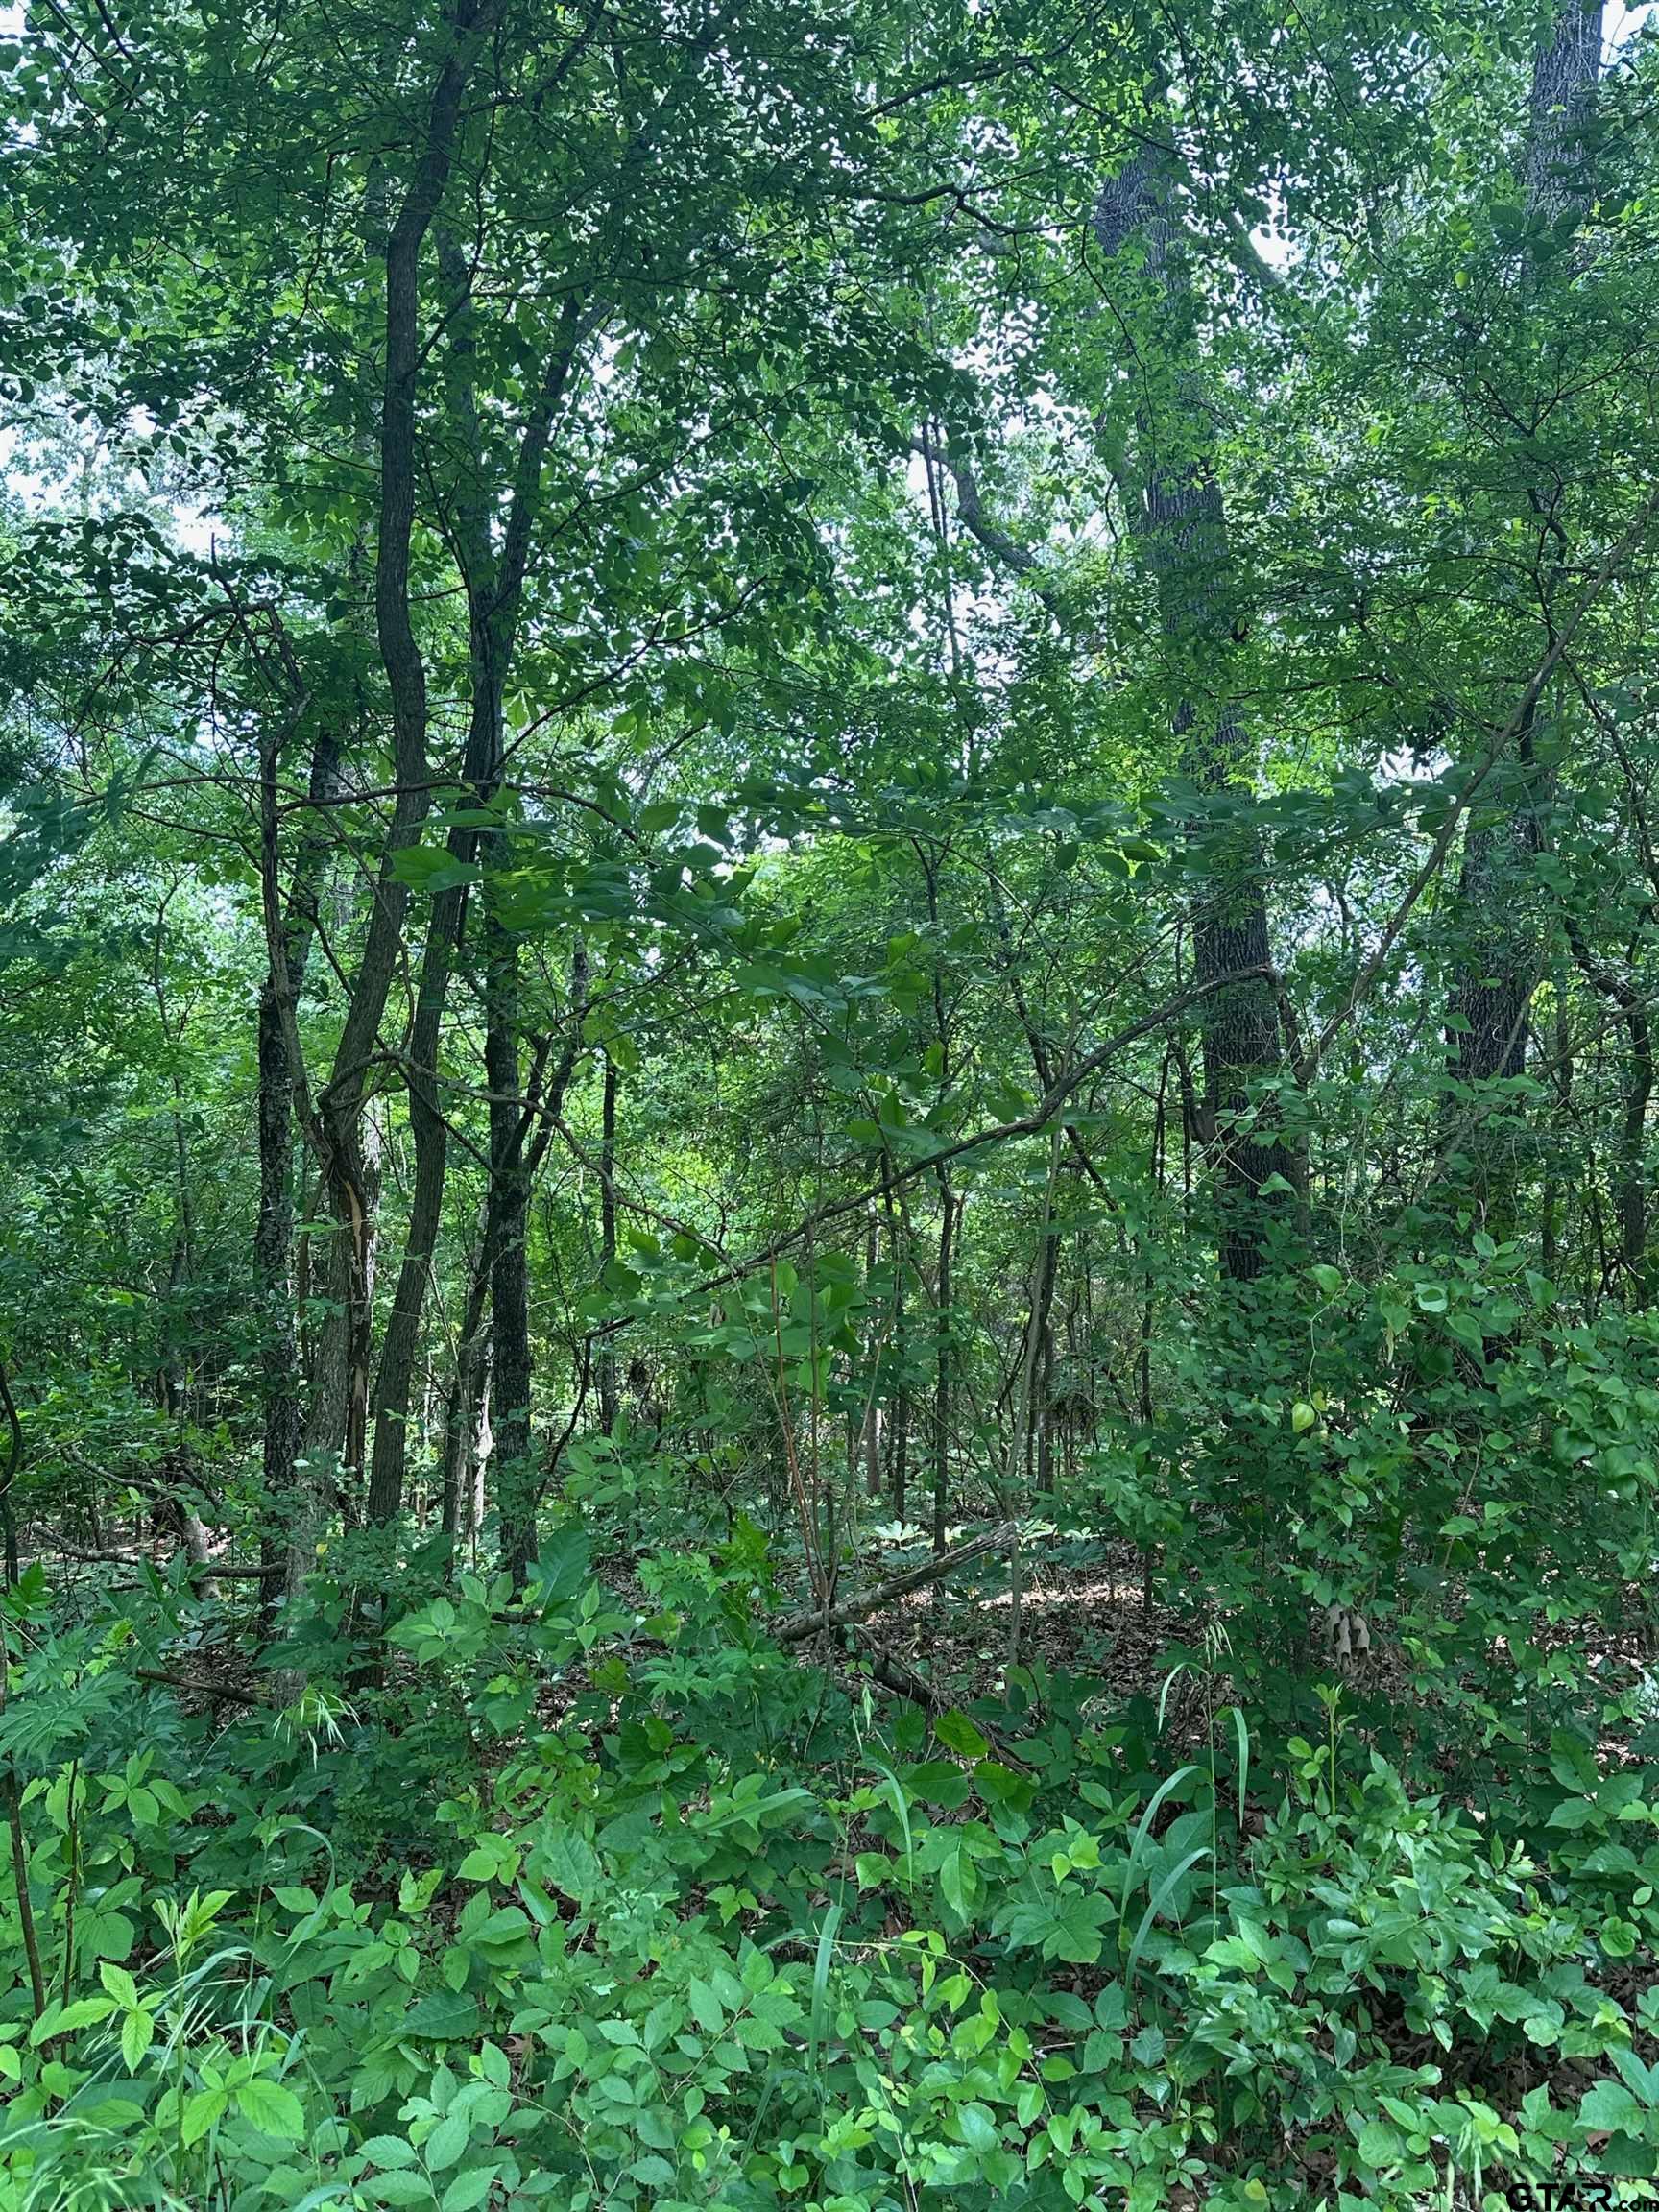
(340, 1105)
(1496, 918)
(288, 956)
(1629, 1176)
(796, 1628)
(492, 586)
(607, 1360)
(517, 1489)
(949, 1213)
(899, 1446)
(1181, 523)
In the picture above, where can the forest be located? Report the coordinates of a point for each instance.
(829, 1253)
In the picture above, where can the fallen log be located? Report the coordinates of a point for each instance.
(217, 1570)
(796, 1628)
(197, 1686)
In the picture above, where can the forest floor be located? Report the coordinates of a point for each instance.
(1090, 1617)
(1075, 1617)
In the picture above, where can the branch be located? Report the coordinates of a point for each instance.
(972, 514)
(797, 1628)
(213, 1568)
(196, 1687)
(900, 1677)
(1028, 1125)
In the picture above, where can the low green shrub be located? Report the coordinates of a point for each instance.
(599, 1933)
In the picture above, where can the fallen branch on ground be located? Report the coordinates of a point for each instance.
(216, 1570)
(197, 1686)
(796, 1628)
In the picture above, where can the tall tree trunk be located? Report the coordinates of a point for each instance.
(460, 1415)
(950, 1209)
(289, 938)
(340, 1105)
(899, 1443)
(606, 1361)
(864, 1430)
(1182, 525)
(493, 583)
(1495, 919)
(1017, 1480)
(466, 1401)
(16, 1452)
(337, 1392)
(517, 1489)
(394, 1376)
(1630, 1171)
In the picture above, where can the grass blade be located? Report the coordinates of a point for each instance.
(819, 2014)
(1165, 1889)
(1137, 1849)
(896, 1792)
(1169, 1681)
(1241, 1730)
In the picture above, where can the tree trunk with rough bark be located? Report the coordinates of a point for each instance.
(1182, 523)
(288, 957)
(1496, 915)
(518, 1491)
(607, 1360)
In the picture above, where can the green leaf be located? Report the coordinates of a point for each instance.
(958, 1734)
(570, 1862)
(447, 2140)
(201, 2111)
(431, 868)
(1161, 1896)
(472, 2188)
(138, 2031)
(1610, 2104)
(978, 2128)
(441, 2016)
(84, 2012)
(1380, 2146)
(823, 1961)
(388, 2150)
(272, 2109)
(119, 1984)
(1467, 1330)
(400, 2189)
(562, 1565)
